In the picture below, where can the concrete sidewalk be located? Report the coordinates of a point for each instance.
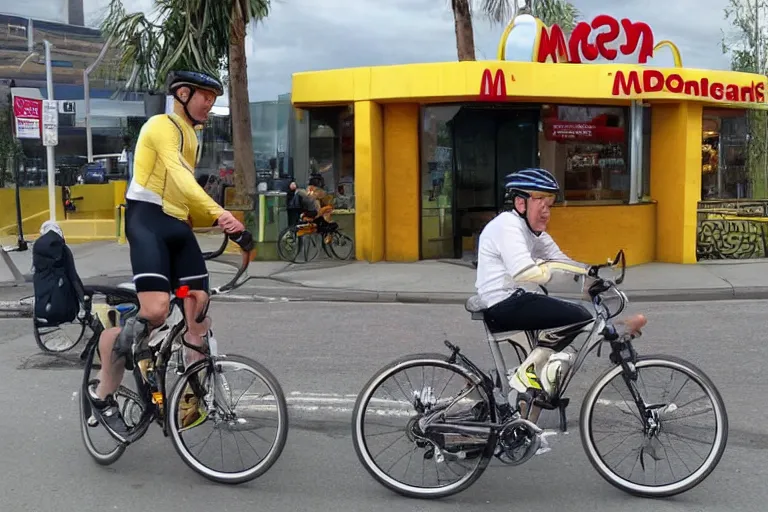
(420, 282)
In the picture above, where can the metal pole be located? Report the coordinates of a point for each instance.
(49, 149)
(87, 97)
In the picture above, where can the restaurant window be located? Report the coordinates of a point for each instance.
(725, 173)
(332, 161)
(587, 149)
(437, 233)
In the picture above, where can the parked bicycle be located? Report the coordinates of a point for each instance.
(453, 439)
(211, 380)
(301, 242)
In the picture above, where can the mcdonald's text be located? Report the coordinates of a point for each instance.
(552, 42)
(652, 80)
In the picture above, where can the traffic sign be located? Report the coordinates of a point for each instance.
(50, 123)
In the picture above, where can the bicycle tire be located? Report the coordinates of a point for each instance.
(281, 252)
(332, 253)
(42, 346)
(280, 439)
(103, 459)
(363, 456)
(698, 476)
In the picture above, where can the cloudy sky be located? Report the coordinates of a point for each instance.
(302, 35)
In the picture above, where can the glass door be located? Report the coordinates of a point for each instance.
(474, 142)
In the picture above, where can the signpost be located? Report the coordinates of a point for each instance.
(50, 133)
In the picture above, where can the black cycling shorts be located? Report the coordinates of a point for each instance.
(164, 251)
(526, 311)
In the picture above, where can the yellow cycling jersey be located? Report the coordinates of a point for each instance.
(164, 170)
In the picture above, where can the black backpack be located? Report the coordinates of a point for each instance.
(58, 288)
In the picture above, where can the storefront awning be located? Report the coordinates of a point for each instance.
(502, 81)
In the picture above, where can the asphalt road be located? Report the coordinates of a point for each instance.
(323, 354)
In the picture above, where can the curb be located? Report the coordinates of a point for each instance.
(269, 295)
(15, 308)
(361, 296)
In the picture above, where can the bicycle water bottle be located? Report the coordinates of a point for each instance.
(555, 369)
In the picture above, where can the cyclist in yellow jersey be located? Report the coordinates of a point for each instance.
(162, 199)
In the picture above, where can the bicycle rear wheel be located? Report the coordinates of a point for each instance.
(339, 247)
(230, 420)
(59, 338)
(657, 432)
(396, 400)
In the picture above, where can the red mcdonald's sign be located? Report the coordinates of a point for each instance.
(552, 41)
(493, 87)
(653, 80)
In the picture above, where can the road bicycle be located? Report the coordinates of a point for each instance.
(302, 240)
(455, 438)
(211, 380)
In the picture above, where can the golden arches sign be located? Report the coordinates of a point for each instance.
(551, 42)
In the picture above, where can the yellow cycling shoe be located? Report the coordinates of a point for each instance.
(190, 412)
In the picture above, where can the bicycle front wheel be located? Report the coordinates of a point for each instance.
(643, 453)
(249, 426)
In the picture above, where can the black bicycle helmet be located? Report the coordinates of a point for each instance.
(194, 80)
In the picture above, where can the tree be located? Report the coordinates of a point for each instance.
(747, 45)
(10, 147)
(551, 12)
(465, 35)
(206, 35)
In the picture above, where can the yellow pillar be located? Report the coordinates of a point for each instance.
(369, 181)
(401, 182)
(676, 178)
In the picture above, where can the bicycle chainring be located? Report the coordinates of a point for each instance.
(517, 443)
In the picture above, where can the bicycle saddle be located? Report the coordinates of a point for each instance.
(127, 286)
(476, 305)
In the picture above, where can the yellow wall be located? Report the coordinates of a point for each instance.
(93, 220)
(676, 178)
(592, 234)
(401, 182)
(369, 182)
(98, 201)
(33, 202)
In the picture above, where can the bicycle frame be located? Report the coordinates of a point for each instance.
(162, 352)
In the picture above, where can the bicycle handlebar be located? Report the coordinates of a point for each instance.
(602, 285)
(245, 240)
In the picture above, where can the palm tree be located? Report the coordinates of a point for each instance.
(465, 36)
(207, 35)
(551, 12)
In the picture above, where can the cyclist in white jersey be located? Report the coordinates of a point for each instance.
(515, 247)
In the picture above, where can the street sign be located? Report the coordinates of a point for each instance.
(66, 107)
(50, 123)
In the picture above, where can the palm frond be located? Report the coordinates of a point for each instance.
(557, 12)
(182, 34)
(560, 12)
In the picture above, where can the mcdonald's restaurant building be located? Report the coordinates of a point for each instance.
(423, 148)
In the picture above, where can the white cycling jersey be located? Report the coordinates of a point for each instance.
(509, 251)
